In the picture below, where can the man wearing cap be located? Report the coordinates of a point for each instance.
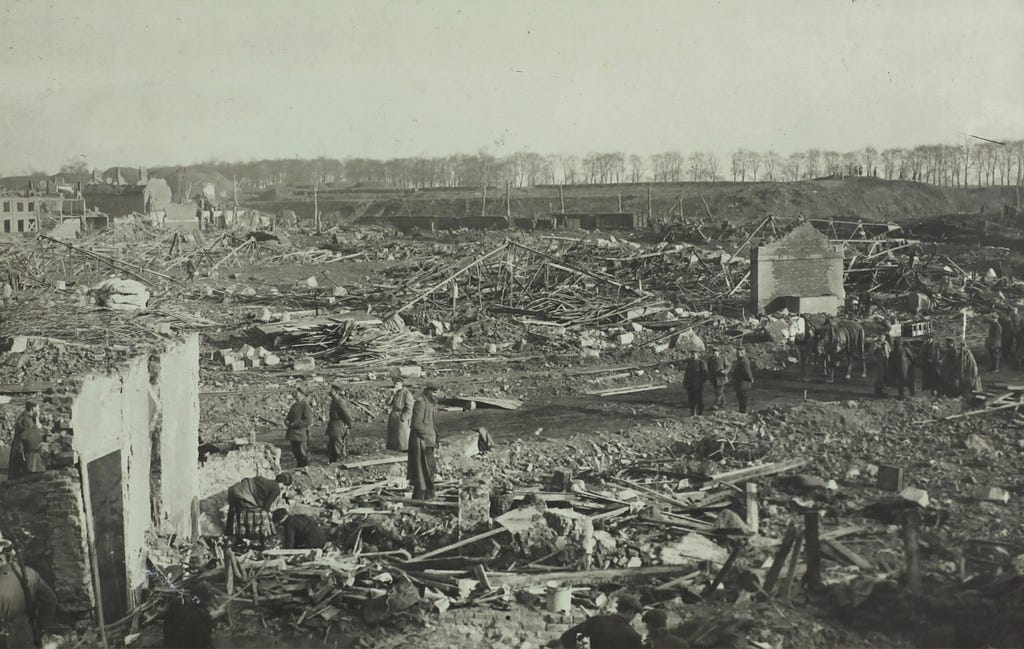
(742, 379)
(339, 422)
(296, 424)
(422, 442)
(26, 444)
(930, 358)
(27, 603)
(299, 531)
(901, 367)
(718, 373)
(400, 416)
(658, 636)
(994, 343)
(607, 631)
(950, 369)
(696, 374)
(249, 503)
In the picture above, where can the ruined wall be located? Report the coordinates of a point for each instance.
(48, 506)
(803, 264)
(178, 382)
(221, 471)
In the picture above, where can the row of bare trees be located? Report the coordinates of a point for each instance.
(968, 163)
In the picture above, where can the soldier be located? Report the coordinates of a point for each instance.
(718, 374)
(994, 343)
(696, 374)
(882, 351)
(930, 359)
(901, 367)
(742, 379)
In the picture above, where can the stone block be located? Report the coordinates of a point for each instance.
(18, 344)
(237, 365)
(660, 348)
(304, 364)
(915, 495)
(271, 360)
(339, 291)
(626, 338)
(693, 548)
(247, 351)
(410, 371)
(992, 495)
(253, 362)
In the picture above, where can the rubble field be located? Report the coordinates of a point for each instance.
(825, 517)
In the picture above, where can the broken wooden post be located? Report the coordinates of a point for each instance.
(812, 522)
(779, 560)
(752, 514)
(794, 559)
(229, 569)
(561, 198)
(911, 551)
(710, 590)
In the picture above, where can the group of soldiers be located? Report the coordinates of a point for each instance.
(1005, 339)
(716, 370)
(947, 368)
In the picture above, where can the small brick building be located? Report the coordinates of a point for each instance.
(802, 271)
(121, 451)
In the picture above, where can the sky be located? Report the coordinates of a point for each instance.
(179, 82)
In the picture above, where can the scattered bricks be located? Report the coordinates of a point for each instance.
(915, 495)
(578, 531)
(271, 360)
(304, 364)
(979, 445)
(339, 291)
(626, 338)
(474, 505)
(992, 495)
(890, 477)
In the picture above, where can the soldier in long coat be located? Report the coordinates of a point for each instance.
(901, 367)
(399, 417)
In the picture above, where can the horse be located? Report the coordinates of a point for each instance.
(808, 347)
(841, 339)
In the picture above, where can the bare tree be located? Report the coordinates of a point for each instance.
(738, 165)
(833, 161)
(636, 168)
(772, 161)
(754, 163)
(711, 166)
(869, 155)
(889, 162)
(812, 162)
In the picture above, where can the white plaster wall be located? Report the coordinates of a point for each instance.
(179, 438)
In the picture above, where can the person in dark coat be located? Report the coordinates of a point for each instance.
(696, 374)
(994, 343)
(930, 359)
(882, 352)
(26, 444)
(901, 367)
(339, 422)
(608, 631)
(27, 603)
(950, 369)
(249, 503)
(718, 375)
(299, 531)
(742, 379)
(187, 622)
(422, 442)
(300, 417)
(658, 636)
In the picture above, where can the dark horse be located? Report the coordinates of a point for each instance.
(808, 347)
(843, 339)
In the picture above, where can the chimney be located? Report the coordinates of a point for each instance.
(143, 176)
(119, 180)
(96, 176)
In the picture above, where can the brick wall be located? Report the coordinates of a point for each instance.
(803, 263)
(45, 514)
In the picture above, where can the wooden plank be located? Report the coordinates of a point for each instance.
(812, 521)
(611, 575)
(464, 542)
(787, 585)
(840, 532)
(494, 402)
(627, 390)
(845, 552)
(722, 573)
(759, 471)
(378, 462)
(779, 560)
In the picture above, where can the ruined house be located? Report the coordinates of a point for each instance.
(121, 455)
(802, 271)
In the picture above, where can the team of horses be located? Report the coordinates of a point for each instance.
(831, 344)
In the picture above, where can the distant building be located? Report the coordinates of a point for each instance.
(123, 191)
(42, 204)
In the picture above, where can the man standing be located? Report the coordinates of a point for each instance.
(399, 417)
(901, 367)
(931, 361)
(994, 343)
(27, 603)
(26, 444)
(608, 631)
(422, 442)
(718, 373)
(950, 369)
(299, 531)
(882, 351)
(696, 375)
(970, 378)
(249, 503)
(296, 424)
(742, 379)
(339, 422)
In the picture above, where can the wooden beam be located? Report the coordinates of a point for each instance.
(759, 471)
(455, 546)
(812, 521)
(568, 578)
(845, 552)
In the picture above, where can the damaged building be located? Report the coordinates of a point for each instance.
(802, 272)
(121, 458)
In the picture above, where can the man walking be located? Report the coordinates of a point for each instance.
(339, 423)
(696, 374)
(249, 503)
(718, 374)
(27, 603)
(296, 424)
(27, 443)
(422, 442)
(399, 417)
(742, 379)
(901, 367)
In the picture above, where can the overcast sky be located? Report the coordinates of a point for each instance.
(180, 82)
